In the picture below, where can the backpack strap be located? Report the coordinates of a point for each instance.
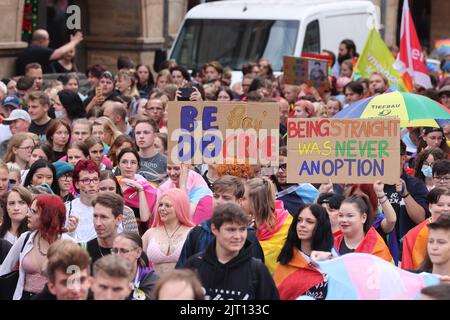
(25, 242)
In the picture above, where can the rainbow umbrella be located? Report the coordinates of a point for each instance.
(413, 110)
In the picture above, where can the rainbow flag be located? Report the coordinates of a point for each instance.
(415, 246)
(362, 276)
(373, 244)
(442, 47)
(272, 241)
(295, 278)
(376, 57)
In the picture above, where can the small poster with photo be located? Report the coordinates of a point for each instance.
(312, 71)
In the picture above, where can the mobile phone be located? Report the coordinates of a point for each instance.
(98, 91)
(185, 94)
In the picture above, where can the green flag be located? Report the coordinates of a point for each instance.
(376, 57)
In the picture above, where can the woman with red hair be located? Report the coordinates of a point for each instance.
(46, 219)
(164, 240)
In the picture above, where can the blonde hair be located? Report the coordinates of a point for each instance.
(130, 75)
(15, 142)
(109, 126)
(261, 193)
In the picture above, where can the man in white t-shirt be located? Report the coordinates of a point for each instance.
(85, 181)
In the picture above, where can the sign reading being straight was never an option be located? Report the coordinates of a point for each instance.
(345, 150)
(214, 132)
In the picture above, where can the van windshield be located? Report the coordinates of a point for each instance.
(234, 42)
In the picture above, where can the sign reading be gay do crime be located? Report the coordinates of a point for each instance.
(345, 150)
(214, 132)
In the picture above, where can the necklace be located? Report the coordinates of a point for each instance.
(100, 250)
(39, 246)
(170, 237)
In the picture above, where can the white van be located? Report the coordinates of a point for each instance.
(238, 31)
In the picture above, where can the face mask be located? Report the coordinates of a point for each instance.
(427, 172)
(60, 114)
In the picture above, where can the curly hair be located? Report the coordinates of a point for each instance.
(238, 170)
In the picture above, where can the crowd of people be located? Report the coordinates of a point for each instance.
(92, 209)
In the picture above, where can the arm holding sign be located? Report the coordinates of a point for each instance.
(390, 218)
(326, 187)
(414, 210)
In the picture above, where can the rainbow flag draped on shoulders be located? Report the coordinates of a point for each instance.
(272, 241)
(361, 276)
(373, 244)
(376, 57)
(415, 246)
(295, 278)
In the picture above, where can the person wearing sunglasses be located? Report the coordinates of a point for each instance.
(129, 246)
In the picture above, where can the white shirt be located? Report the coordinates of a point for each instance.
(10, 237)
(5, 133)
(85, 230)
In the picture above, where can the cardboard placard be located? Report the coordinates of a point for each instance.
(345, 150)
(313, 72)
(214, 132)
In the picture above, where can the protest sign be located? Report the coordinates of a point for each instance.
(313, 72)
(345, 150)
(214, 132)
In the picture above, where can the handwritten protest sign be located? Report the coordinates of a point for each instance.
(214, 132)
(345, 150)
(313, 72)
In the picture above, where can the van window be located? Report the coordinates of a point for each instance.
(234, 42)
(312, 38)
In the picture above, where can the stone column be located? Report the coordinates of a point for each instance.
(10, 35)
(390, 19)
(177, 11)
(117, 27)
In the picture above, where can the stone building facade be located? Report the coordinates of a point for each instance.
(139, 28)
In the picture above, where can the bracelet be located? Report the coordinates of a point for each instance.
(407, 195)
(383, 202)
(384, 195)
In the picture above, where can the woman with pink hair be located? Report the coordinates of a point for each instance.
(304, 109)
(164, 240)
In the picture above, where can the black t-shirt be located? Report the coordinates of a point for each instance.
(58, 155)
(40, 130)
(59, 68)
(95, 251)
(344, 249)
(34, 54)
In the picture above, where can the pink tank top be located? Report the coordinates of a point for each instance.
(35, 279)
(155, 255)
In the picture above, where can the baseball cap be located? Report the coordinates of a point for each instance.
(107, 74)
(17, 114)
(444, 89)
(12, 101)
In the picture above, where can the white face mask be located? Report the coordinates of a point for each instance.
(427, 172)
(60, 114)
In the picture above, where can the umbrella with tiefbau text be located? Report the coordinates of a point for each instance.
(413, 110)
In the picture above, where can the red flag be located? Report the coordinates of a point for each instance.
(410, 58)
